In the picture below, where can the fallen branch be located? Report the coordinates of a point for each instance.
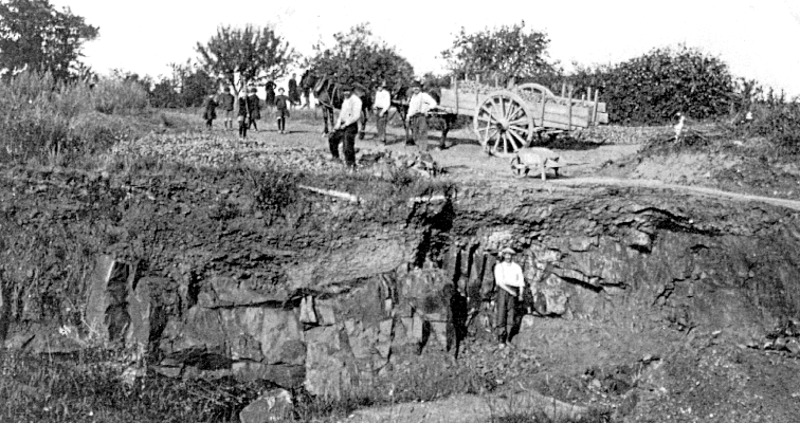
(333, 193)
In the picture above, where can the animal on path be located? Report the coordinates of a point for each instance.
(537, 159)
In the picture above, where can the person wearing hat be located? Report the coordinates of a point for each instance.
(346, 127)
(510, 287)
(282, 110)
(417, 117)
(382, 102)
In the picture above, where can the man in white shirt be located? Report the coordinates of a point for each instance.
(510, 288)
(346, 127)
(418, 107)
(383, 101)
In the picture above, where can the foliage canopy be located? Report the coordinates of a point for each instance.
(240, 56)
(358, 57)
(36, 36)
(508, 51)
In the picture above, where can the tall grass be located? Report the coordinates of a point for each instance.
(55, 122)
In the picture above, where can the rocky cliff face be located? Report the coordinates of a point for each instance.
(328, 294)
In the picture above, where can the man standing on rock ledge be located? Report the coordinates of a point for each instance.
(510, 287)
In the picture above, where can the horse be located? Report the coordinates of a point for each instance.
(329, 96)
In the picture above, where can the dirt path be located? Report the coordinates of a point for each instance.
(466, 161)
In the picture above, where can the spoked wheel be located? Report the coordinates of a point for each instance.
(531, 89)
(503, 123)
(517, 168)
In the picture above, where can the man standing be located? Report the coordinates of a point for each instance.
(254, 105)
(294, 94)
(244, 113)
(226, 104)
(281, 110)
(210, 111)
(382, 103)
(346, 127)
(510, 287)
(418, 107)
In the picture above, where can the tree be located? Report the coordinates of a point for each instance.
(358, 57)
(192, 83)
(509, 51)
(34, 35)
(653, 87)
(241, 56)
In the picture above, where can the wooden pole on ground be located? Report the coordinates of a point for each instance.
(569, 125)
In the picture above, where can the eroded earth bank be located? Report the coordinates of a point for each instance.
(646, 304)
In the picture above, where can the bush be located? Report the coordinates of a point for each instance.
(652, 88)
(56, 122)
(121, 97)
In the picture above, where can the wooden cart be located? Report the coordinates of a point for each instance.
(507, 119)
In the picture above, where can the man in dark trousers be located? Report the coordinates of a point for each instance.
(244, 113)
(254, 104)
(210, 111)
(510, 284)
(294, 93)
(281, 110)
(346, 128)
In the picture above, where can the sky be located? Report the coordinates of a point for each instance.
(757, 39)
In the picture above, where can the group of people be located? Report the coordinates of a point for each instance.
(346, 127)
(248, 106)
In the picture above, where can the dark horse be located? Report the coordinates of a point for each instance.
(329, 95)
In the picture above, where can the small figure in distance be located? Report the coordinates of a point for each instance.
(254, 105)
(225, 101)
(282, 110)
(294, 94)
(244, 114)
(210, 111)
(382, 103)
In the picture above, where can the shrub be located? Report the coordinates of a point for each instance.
(56, 122)
(652, 88)
(122, 97)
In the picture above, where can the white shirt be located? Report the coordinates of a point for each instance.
(382, 99)
(351, 111)
(508, 275)
(420, 103)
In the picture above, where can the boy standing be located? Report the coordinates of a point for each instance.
(282, 110)
(225, 101)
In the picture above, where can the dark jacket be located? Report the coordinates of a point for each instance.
(243, 107)
(210, 109)
(254, 103)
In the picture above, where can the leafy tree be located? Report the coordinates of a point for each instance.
(36, 36)
(192, 83)
(358, 57)
(508, 51)
(652, 88)
(241, 56)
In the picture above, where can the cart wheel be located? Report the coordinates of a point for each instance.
(503, 123)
